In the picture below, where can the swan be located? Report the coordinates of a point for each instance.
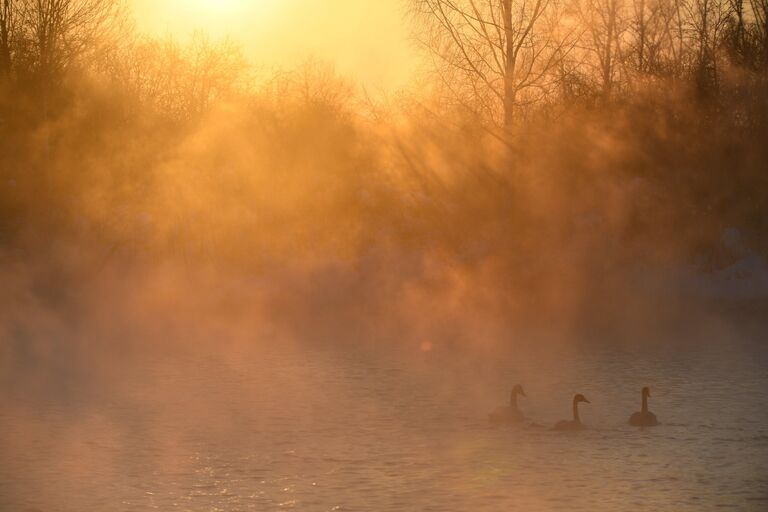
(575, 423)
(509, 414)
(644, 418)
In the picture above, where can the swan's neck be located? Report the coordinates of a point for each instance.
(576, 412)
(645, 403)
(513, 400)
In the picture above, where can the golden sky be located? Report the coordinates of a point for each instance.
(367, 40)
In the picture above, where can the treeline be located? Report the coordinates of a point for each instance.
(558, 139)
(504, 58)
(43, 43)
(46, 38)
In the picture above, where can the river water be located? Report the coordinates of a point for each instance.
(321, 428)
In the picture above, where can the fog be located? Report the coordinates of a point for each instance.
(198, 255)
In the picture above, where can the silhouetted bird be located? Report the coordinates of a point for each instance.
(575, 423)
(644, 418)
(509, 414)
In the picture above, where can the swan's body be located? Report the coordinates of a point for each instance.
(644, 418)
(575, 423)
(510, 413)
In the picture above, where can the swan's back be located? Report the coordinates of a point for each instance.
(643, 419)
(566, 425)
(506, 415)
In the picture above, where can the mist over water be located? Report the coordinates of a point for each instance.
(187, 401)
(223, 288)
(184, 417)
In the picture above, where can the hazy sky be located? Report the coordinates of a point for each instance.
(365, 39)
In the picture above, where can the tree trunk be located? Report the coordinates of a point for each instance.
(6, 25)
(509, 65)
(608, 57)
(641, 29)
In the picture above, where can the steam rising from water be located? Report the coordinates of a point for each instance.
(288, 295)
(197, 394)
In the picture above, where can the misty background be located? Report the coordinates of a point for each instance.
(540, 182)
(603, 167)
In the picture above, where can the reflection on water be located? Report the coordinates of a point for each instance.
(347, 429)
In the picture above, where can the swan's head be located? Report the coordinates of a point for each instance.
(518, 390)
(646, 391)
(580, 398)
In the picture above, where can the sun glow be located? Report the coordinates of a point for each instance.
(218, 6)
(216, 16)
(282, 33)
(215, 4)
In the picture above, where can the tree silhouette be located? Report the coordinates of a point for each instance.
(7, 32)
(494, 56)
(52, 35)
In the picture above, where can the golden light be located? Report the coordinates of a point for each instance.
(283, 33)
(217, 6)
(212, 15)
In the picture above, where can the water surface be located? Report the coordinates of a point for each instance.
(342, 428)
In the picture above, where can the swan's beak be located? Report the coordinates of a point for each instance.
(585, 399)
(523, 393)
(648, 394)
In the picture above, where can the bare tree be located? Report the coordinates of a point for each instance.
(216, 69)
(59, 32)
(493, 55)
(675, 38)
(706, 20)
(604, 27)
(759, 10)
(180, 80)
(652, 43)
(739, 35)
(7, 29)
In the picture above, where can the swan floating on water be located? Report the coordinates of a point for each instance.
(575, 423)
(509, 414)
(644, 418)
